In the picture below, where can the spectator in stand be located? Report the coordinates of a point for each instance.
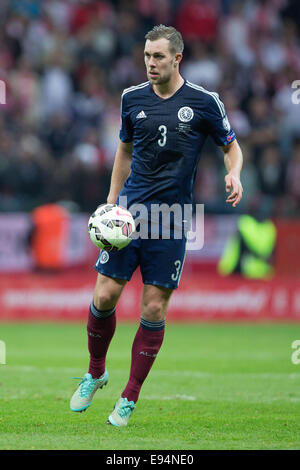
(292, 181)
(271, 179)
(290, 10)
(208, 184)
(271, 52)
(86, 55)
(28, 8)
(88, 186)
(237, 117)
(59, 11)
(110, 128)
(56, 134)
(31, 177)
(263, 126)
(291, 45)
(264, 15)
(57, 87)
(197, 20)
(83, 11)
(104, 42)
(25, 88)
(8, 180)
(89, 102)
(129, 69)
(87, 151)
(12, 37)
(201, 68)
(236, 34)
(128, 33)
(156, 11)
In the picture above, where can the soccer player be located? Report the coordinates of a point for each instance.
(165, 122)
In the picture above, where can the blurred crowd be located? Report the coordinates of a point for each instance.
(66, 62)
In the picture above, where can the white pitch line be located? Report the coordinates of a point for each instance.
(171, 397)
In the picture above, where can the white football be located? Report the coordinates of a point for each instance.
(110, 227)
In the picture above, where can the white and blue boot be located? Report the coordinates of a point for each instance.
(82, 398)
(122, 411)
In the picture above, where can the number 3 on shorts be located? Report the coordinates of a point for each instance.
(175, 275)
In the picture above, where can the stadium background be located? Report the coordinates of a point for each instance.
(65, 64)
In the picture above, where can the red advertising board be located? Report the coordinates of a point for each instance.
(287, 254)
(66, 296)
(201, 296)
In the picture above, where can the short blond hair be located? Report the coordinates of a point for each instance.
(171, 34)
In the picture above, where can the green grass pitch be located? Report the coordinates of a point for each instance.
(220, 386)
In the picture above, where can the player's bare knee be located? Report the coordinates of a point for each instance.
(104, 300)
(107, 292)
(153, 311)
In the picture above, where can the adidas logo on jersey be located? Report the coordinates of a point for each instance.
(141, 115)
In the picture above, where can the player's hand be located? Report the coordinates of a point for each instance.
(233, 184)
(111, 199)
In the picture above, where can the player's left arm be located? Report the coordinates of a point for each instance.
(233, 160)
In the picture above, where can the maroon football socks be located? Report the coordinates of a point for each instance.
(146, 345)
(100, 328)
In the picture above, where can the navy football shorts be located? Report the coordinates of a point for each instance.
(161, 261)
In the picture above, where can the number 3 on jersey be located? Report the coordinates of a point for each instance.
(163, 130)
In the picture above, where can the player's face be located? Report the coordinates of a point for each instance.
(160, 63)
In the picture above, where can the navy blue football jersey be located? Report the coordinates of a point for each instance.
(168, 135)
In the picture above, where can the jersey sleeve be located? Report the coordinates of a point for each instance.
(126, 129)
(217, 122)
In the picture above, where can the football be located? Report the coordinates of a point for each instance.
(110, 227)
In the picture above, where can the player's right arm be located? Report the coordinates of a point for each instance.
(121, 170)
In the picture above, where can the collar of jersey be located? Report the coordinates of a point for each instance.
(170, 97)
